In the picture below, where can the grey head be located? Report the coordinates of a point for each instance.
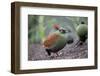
(63, 30)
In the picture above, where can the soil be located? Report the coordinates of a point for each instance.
(71, 51)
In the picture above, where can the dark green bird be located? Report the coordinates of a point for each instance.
(57, 40)
(82, 32)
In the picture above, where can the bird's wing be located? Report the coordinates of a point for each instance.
(50, 40)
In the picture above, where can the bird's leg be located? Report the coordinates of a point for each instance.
(57, 54)
(48, 52)
(76, 44)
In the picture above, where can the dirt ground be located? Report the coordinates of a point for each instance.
(37, 52)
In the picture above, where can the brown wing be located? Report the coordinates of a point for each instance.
(50, 40)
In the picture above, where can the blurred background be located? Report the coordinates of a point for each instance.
(40, 26)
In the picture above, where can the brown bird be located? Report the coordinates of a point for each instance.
(57, 40)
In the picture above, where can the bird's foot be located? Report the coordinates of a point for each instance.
(55, 55)
(52, 56)
(59, 54)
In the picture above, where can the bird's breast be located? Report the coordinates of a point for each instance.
(50, 40)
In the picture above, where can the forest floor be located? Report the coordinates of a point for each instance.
(37, 52)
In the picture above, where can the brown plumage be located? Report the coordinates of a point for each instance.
(50, 40)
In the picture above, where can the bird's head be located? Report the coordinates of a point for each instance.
(61, 29)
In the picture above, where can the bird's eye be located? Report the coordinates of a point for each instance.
(62, 31)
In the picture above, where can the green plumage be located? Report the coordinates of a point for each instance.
(61, 42)
(82, 31)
